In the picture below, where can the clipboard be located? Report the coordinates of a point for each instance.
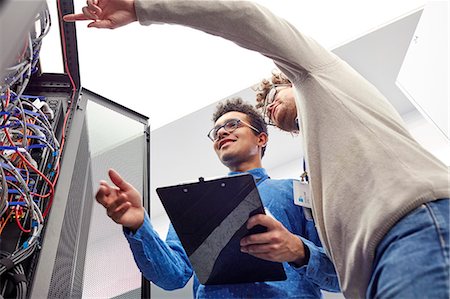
(210, 219)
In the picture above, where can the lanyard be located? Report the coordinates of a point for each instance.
(304, 176)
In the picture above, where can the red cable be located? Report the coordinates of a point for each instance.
(52, 187)
(74, 89)
(8, 96)
(18, 222)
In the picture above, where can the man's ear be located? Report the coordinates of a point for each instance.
(263, 138)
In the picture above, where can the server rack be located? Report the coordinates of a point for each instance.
(56, 269)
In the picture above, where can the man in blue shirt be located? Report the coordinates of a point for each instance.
(239, 139)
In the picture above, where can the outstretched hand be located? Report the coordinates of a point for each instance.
(123, 202)
(109, 14)
(276, 245)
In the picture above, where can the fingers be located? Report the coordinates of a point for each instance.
(92, 10)
(263, 238)
(264, 220)
(115, 201)
(105, 15)
(102, 24)
(106, 194)
(102, 193)
(116, 212)
(115, 176)
(116, 204)
(93, 7)
(258, 249)
(75, 17)
(274, 234)
(266, 251)
(90, 14)
(119, 212)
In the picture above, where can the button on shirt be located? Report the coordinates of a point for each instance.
(166, 264)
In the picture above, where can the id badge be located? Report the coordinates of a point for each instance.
(302, 194)
(302, 198)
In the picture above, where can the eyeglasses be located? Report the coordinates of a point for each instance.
(229, 126)
(270, 98)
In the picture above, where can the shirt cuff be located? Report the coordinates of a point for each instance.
(140, 232)
(311, 268)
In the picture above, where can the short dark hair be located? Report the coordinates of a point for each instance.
(238, 105)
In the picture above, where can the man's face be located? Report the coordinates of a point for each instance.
(240, 145)
(282, 110)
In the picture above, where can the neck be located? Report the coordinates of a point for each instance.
(245, 166)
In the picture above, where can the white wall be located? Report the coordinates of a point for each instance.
(428, 135)
(423, 77)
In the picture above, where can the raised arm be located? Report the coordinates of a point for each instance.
(246, 23)
(163, 263)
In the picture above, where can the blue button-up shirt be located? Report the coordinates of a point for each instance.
(166, 264)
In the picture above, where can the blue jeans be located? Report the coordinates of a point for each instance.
(412, 260)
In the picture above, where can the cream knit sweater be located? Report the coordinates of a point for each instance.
(366, 170)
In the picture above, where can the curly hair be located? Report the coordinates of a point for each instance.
(238, 105)
(263, 88)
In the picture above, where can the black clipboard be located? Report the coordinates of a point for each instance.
(210, 219)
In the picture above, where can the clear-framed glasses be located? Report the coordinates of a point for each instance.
(229, 126)
(270, 98)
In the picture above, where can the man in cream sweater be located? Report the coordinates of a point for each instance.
(380, 200)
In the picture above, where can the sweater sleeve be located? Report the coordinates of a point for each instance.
(245, 23)
(163, 263)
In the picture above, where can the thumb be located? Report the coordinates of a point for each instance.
(102, 24)
(119, 181)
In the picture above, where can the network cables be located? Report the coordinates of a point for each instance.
(29, 162)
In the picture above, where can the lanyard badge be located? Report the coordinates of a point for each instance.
(302, 198)
(302, 194)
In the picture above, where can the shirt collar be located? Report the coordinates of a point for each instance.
(257, 173)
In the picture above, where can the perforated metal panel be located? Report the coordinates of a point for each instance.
(69, 265)
(67, 276)
(110, 269)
